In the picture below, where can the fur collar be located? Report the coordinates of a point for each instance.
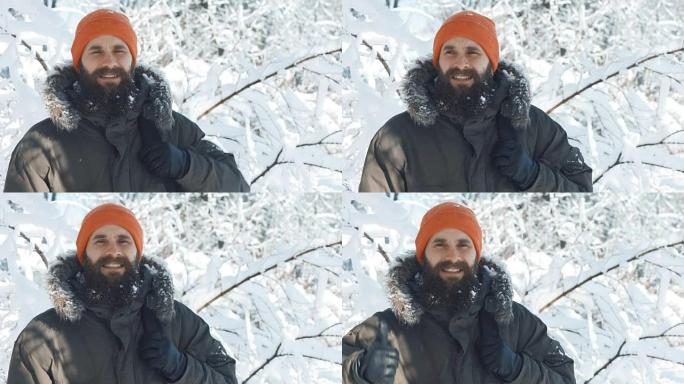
(496, 289)
(60, 92)
(70, 306)
(417, 93)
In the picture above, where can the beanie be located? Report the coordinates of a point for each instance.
(108, 214)
(448, 215)
(99, 23)
(470, 25)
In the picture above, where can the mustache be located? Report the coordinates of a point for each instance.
(457, 264)
(114, 259)
(451, 72)
(110, 71)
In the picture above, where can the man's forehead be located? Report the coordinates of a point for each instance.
(451, 234)
(105, 40)
(461, 42)
(110, 230)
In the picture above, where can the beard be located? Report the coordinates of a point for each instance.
(454, 294)
(112, 100)
(116, 291)
(465, 101)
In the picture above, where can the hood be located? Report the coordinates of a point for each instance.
(151, 89)
(496, 294)
(417, 92)
(71, 307)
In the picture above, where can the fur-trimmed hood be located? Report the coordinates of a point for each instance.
(496, 294)
(152, 97)
(417, 91)
(66, 271)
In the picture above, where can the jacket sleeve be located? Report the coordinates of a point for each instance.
(382, 169)
(208, 362)
(354, 346)
(211, 170)
(26, 364)
(28, 167)
(561, 166)
(544, 361)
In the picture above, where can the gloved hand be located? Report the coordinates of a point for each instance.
(495, 355)
(381, 359)
(510, 155)
(161, 158)
(158, 350)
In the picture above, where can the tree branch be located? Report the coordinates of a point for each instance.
(618, 354)
(377, 54)
(644, 253)
(255, 274)
(565, 100)
(248, 85)
(25, 44)
(277, 162)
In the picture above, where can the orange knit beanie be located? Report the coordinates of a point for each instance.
(99, 23)
(448, 215)
(108, 214)
(470, 25)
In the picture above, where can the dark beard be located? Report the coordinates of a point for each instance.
(113, 100)
(452, 295)
(465, 101)
(116, 291)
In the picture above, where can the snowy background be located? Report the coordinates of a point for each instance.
(611, 72)
(261, 78)
(604, 272)
(263, 270)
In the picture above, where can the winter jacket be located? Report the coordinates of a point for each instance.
(76, 151)
(438, 348)
(77, 342)
(424, 150)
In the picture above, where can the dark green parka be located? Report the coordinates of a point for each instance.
(75, 151)
(424, 150)
(437, 348)
(79, 343)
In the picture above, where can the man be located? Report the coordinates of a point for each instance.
(114, 318)
(111, 126)
(469, 125)
(452, 318)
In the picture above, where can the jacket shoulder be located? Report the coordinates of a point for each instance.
(40, 327)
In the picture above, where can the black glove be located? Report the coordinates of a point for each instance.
(510, 155)
(161, 158)
(381, 360)
(158, 350)
(495, 355)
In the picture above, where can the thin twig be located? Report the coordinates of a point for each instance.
(255, 274)
(565, 100)
(248, 85)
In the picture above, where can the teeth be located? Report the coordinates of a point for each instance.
(111, 265)
(452, 269)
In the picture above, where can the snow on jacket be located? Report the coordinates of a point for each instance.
(439, 348)
(78, 342)
(423, 150)
(74, 151)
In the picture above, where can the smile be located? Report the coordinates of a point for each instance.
(452, 270)
(461, 78)
(112, 265)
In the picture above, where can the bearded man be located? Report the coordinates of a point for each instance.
(114, 319)
(452, 318)
(469, 125)
(112, 127)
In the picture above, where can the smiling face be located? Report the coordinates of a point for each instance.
(107, 60)
(111, 251)
(450, 253)
(463, 61)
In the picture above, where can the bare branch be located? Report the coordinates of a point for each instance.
(377, 55)
(565, 100)
(636, 257)
(255, 274)
(25, 44)
(248, 85)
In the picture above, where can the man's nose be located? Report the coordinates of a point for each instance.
(108, 60)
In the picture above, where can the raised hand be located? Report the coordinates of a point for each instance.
(381, 359)
(510, 155)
